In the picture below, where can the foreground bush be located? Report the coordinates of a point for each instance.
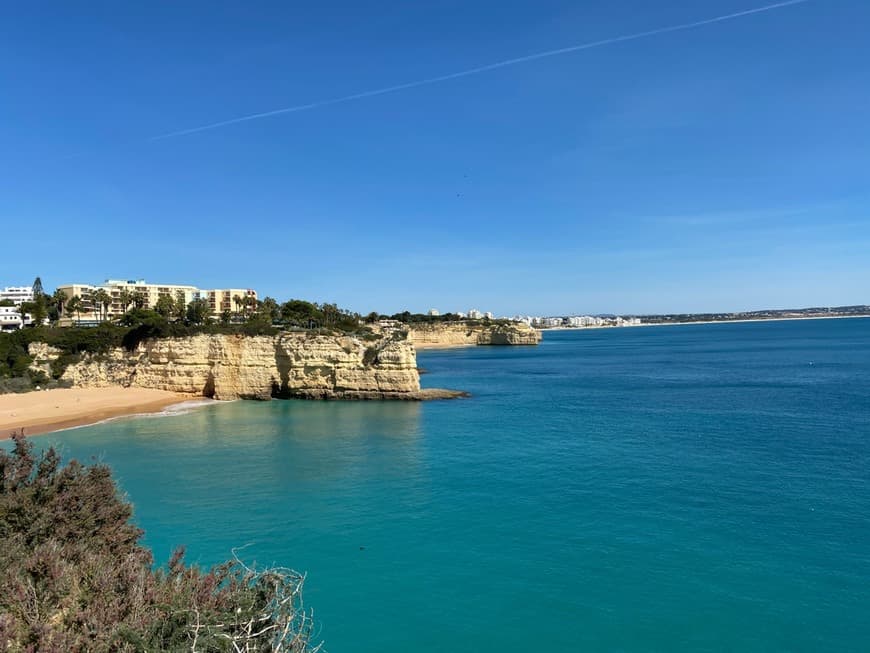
(73, 576)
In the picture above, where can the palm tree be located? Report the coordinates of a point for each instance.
(238, 301)
(126, 298)
(102, 301)
(251, 305)
(74, 305)
(59, 299)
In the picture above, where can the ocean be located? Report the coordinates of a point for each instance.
(679, 488)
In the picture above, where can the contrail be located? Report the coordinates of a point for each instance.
(479, 69)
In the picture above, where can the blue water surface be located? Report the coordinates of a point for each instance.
(681, 488)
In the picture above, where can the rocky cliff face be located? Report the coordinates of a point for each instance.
(261, 367)
(462, 334)
(43, 355)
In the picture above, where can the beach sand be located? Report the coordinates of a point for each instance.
(50, 410)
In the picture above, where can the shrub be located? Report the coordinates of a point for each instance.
(76, 578)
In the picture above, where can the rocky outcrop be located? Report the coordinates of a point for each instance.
(43, 356)
(261, 367)
(464, 334)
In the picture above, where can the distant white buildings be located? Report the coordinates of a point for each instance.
(434, 312)
(579, 321)
(17, 294)
(551, 322)
(11, 318)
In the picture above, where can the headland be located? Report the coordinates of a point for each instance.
(443, 335)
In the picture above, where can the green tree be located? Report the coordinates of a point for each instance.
(165, 306)
(199, 311)
(298, 312)
(269, 307)
(59, 299)
(126, 298)
(37, 288)
(74, 305)
(251, 305)
(102, 301)
(180, 311)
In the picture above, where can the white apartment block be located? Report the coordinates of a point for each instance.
(11, 318)
(17, 294)
(474, 314)
(434, 312)
(220, 300)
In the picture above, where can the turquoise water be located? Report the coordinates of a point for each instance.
(688, 488)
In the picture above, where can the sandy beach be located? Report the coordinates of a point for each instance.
(50, 410)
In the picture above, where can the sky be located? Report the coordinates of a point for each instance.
(719, 167)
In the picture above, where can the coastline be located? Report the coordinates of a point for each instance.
(45, 411)
(760, 319)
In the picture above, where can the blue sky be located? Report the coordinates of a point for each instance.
(725, 167)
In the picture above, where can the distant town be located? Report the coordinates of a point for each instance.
(593, 321)
(539, 322)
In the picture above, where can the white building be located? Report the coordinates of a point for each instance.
(547, 321)
(11, 318)
(474, 314)
(434, 312)
(17, 294)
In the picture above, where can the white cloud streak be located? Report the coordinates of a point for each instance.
(479, 69)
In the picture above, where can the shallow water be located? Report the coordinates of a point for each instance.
(685, 488)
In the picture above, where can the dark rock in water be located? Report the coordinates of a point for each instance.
(427, 394)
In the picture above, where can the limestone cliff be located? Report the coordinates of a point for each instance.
(463, 334)
(43, 355)
(260, 367)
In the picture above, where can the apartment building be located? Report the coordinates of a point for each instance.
(11, 318)
(17, 294)
(148, 294)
